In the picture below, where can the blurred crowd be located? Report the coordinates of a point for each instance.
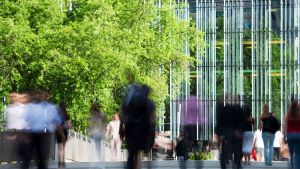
(35, 120)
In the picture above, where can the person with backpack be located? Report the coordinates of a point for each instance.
(138, 126)
(270, 126)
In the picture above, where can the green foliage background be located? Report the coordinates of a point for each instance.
(90, 51)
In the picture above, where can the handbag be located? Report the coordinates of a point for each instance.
(253, 154)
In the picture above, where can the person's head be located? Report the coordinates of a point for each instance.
(13, 97)
(294, 109)
(24, 98)
(266, 109)
(116, 117)
(63, 108)
(95, 107)
(43, 95)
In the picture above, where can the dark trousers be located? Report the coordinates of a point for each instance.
(231, 145)
(277, 154)
(133, 160)
(38, 148)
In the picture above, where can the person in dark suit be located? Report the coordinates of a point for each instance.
(230, 123)
(138, 126)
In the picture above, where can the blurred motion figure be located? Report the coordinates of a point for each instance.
(138, 126)
(62, 133)
(230, 125)
(97, 130)
(292, 121)
(112, 131)
(42, 118)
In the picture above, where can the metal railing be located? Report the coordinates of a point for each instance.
(9, 144)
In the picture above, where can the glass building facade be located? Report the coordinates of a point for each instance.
(251, 51)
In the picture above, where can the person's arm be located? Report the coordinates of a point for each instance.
(107, 130)
(254, 141)
(69, 124)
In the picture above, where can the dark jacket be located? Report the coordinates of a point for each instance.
(270, 124)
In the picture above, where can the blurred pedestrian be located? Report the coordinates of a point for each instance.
(16, 122)
(112, 132)
(278, 141)
(248, 135)
(230, 125)
(181, 150)
(292, 121)
(43, 118)
(270, 126)
(16, 112)
(139, 124)
(97, 130)
(285, 155)
(62, 133)
(258, 143)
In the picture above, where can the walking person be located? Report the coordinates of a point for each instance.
(181, 150)
(292, 121)
(248, 135)
(258, 143)
(270, 126)
(112, 132)
(62, 133)
(43, 118)
(16, 114)
(278, 141)
(97, 130)
(139, 124)
(230, 126)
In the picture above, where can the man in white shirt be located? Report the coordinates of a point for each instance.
(277, 145)
(113, 132)
(16, 112)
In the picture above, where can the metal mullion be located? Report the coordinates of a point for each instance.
(264, 51)
(285, 54)
(297, 49)
(214, 66)
(270, 57)
(232, 49)
(225, 51)
(197, 66)
(261, 72)
(241, 51)
(202, 10)
(207, 81)
(257, 58)
(289, 47)
(281, 62)
(252, 62)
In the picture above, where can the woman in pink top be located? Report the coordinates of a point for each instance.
(292, 121)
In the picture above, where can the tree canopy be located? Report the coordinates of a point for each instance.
(88, 50)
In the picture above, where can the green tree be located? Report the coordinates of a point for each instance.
(90, 50)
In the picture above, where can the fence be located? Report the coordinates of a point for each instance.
(9, 146)
(79, 148)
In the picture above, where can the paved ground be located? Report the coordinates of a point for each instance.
(157, 165)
